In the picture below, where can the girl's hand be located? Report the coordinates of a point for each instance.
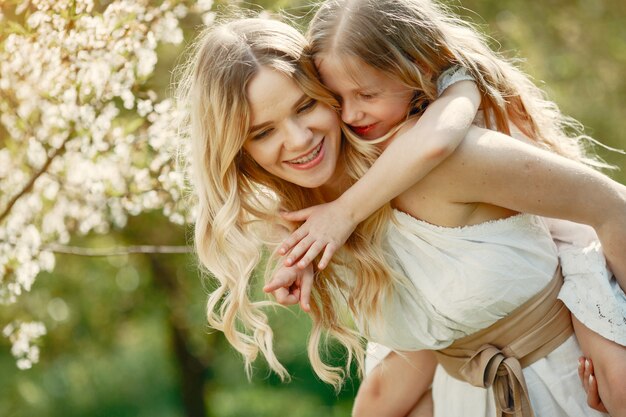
(326, 228)
(590, 384)
(292, 284)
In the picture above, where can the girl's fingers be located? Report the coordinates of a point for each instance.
(292, 240)
(310, 255)
(329, 251)
(298, 215)
(299, 250)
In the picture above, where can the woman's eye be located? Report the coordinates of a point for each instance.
(307, 106)
(262, 134)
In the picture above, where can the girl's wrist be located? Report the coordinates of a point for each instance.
(350, 210)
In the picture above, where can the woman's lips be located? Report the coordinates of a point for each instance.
(313, 162)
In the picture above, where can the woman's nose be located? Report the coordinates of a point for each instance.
(350, 113)
(300, 135)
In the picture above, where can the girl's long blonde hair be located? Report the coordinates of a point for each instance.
(238, 201)
(408, 39)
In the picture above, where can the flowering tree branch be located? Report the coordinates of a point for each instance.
(118, 250)
(86, 142)
(29, 185)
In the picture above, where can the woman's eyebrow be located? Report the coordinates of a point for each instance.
(259, 126)
(298, 102)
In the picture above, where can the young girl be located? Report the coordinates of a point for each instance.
(264, 138)
(366, 52)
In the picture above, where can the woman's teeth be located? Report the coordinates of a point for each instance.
(309, 157)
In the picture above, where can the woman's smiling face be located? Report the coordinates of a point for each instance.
(292, 136)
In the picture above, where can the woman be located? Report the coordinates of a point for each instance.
(265, 138)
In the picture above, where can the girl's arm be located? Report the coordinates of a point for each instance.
(406, 160)
(493, 168)
(395, 385)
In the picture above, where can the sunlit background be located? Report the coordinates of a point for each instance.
(126, 334)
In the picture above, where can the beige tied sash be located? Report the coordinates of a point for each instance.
(494, 357)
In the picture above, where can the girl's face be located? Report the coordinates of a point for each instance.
(292, 136)
(372, 103)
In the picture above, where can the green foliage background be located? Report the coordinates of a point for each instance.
(127, 335)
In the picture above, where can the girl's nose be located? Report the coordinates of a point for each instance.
(350, 114)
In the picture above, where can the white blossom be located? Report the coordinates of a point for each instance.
(208, 18)
(22, 337)
(204, 5)
(74, 103)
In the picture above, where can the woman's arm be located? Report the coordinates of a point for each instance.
(493, 168)
(395, 385)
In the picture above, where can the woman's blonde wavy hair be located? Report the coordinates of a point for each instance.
(410, 38)
(238, 202)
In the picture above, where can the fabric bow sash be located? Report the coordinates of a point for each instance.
(489, 367)
(494, 357)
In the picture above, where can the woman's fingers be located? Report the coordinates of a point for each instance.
(593, 397)
(590, 384)
(305, 289)
(285, 297)
(581, 373)
(282, 278)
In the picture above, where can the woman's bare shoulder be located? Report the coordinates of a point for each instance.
(490, 149)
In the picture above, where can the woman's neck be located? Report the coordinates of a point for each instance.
(338, 183)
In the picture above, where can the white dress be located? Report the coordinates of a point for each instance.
(590, 290)
(465, 279)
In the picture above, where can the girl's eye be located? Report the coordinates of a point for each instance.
(367, 96)
(262, 134)
(307, 106)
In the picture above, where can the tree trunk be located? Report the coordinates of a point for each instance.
(192, 369)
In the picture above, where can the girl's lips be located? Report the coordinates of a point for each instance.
(362, 130)
(313, 162)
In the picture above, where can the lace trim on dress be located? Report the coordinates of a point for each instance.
(592, 294)
(519, 219)
(451, 76)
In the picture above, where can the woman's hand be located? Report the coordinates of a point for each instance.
(292, 284)
(326, 228)
(590, 384)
